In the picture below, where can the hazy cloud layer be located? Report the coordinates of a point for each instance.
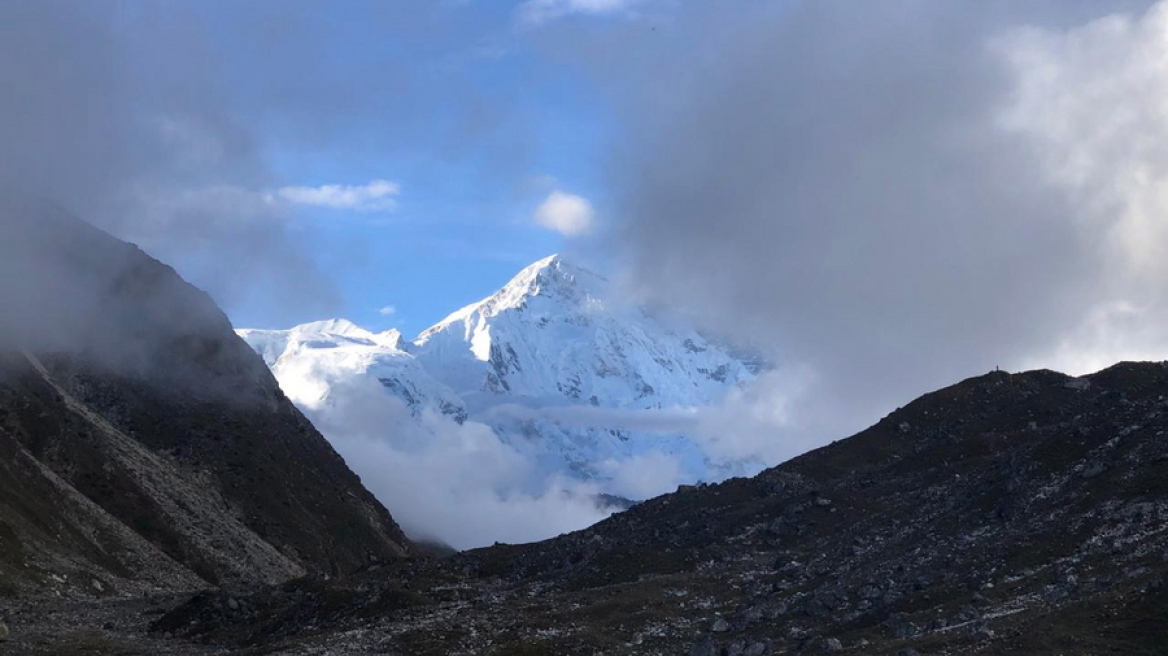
(536, 12)
(160, 123)
(456, 483)
(376, 196)
(754, 411)
(465, 485)
(123, 119)
(893, 196)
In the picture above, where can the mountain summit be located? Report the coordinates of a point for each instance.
(551, 277)
(557, 331)
(554, 362)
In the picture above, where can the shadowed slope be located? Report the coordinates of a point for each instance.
(124, 388)
(1020, 514)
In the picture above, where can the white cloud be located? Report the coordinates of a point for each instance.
(538, 12)
(565, 213)
(1091, 101)
(376, 196)
(457, 483)
(465, 485)
(1012, 214)
(644, 476)
(387, 310)
(229, 202)
(752, 427)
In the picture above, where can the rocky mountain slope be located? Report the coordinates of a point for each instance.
(1007, 514)
(552, 362)
(143, 445)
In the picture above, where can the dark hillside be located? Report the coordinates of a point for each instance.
(144, 443)
(1010, 513)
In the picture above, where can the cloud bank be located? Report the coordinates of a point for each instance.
(123, 119)
(170, 125)
(458, 484)
(892, 197)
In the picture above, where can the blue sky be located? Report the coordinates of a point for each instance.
(455, 104)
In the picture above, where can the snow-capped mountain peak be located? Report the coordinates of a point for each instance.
(558, 331)
(550, 278)
(556, 340)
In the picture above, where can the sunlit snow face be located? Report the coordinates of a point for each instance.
(513, 416)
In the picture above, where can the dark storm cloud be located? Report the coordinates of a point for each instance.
(893, 196)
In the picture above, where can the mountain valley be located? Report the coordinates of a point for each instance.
(162, 495)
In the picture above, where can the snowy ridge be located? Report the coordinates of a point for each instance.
(554, 333)
(312, 359)
(551, 362)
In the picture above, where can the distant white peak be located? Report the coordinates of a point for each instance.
(336, 332)
(392, 338)
(342, 327)
(553, 278)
